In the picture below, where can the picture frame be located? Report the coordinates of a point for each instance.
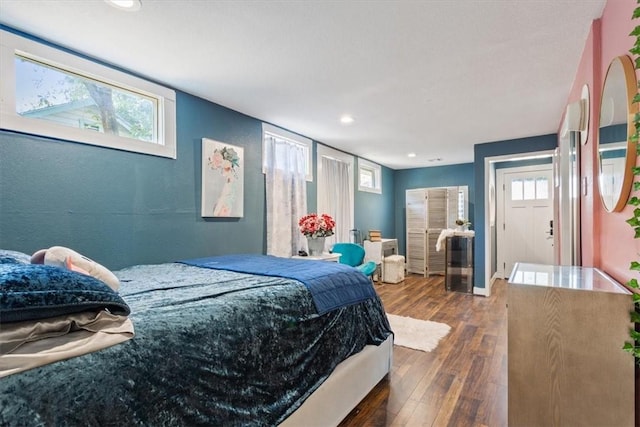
(222, 180)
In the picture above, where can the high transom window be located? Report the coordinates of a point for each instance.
(53, 93)
(369, 176)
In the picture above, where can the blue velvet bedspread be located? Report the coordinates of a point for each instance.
(332, 285)
(212, 348)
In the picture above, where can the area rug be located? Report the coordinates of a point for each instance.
(422, 335)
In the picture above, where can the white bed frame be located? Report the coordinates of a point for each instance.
(349, 383)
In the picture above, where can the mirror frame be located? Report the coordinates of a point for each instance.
(586, 113)
(630, 156)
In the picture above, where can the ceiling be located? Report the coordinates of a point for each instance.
(432, 77)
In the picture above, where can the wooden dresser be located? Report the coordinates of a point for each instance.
(566, 366)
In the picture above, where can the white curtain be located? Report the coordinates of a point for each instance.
(335, 198)
(286, 191)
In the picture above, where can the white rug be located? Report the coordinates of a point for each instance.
(422, 335)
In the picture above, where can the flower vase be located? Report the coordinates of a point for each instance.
(316, 245)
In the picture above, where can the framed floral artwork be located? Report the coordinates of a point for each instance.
(222, 179)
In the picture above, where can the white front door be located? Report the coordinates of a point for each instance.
(525, 215)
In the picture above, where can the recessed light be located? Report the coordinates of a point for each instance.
(128, 5)
(346, 119)
(411, 155)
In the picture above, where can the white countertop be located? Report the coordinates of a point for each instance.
(568, 277)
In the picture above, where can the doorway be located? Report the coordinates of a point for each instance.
(491, 165)
(524, 221)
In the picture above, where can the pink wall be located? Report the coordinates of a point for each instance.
(607, 240)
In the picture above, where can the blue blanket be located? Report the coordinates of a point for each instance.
(331, 285)
(212, 348)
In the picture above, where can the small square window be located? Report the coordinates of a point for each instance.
(529, 189)
(285, 137)
(516, 189)
(542, 188)
(369, 177)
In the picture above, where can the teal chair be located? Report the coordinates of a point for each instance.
(353, 255)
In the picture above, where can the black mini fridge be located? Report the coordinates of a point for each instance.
(459, 264)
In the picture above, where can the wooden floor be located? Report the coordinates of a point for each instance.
(463, 382)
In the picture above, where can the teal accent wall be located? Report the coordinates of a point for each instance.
(492, 149)
(437, 176)
(123, 208)
(376, 211)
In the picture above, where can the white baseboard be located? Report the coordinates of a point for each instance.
(486, 291)
(480, 291)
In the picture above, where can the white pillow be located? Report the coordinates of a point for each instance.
(72, 260)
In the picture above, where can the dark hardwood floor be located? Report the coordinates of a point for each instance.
(463, 382)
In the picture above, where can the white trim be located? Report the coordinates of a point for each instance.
(295, 138)
(484, 292)
(501, 200)
(488, 168)
(324, 151)
(377, 176)
(11, 44)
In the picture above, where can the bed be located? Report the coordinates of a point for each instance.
(217, 346)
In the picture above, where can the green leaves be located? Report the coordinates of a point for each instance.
(634, 347)
(633, 221)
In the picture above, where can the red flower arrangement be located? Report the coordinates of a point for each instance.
(314, 225)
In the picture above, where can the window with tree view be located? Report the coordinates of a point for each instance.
(53, 93)
(48, 93)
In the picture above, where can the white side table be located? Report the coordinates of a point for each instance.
(334, 257)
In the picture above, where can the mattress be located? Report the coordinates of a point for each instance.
(212, 347)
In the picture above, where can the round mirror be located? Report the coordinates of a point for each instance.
(615, 151)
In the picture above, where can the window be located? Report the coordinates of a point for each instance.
(52, 93)
(462, 202)
(283, 136)
(369, 176)
(530, 189)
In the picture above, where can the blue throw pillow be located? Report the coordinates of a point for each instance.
(31, 292)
